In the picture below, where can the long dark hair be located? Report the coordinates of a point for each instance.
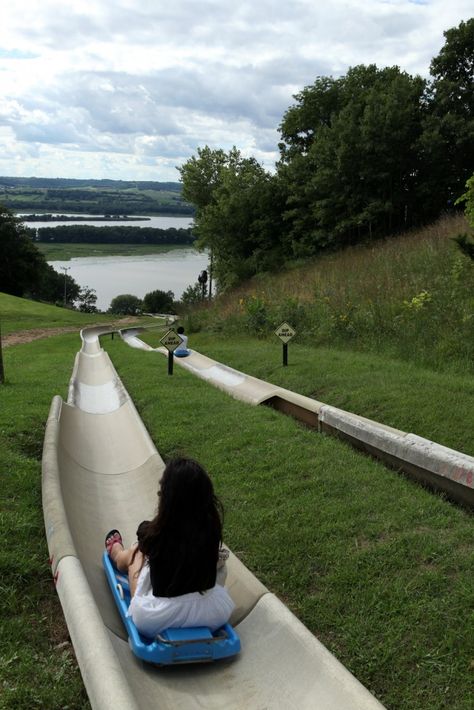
(188, 525)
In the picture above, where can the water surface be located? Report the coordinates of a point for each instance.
(111, 276)
(156, 221)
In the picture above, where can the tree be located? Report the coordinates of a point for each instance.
(192, 294)
(238, 215)
(468, 199)
(465, 241)
(86, 300)
(349, 157)
(23, 269)
(315, 107)
(448, 141)
(201, 175)
(159, 302)
(126, 305)
(20, 261)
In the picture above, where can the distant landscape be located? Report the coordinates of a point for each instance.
(97, 197)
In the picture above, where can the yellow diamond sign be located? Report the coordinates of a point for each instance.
(171, 340)
(285, 332)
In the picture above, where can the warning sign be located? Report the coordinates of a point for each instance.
(285, 332)
(171, 340)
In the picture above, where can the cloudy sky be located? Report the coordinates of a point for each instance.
(128, 89)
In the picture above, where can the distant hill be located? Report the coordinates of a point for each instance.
(52, 183)
(66, 195)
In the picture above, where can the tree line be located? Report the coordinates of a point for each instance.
(37, 182)
(362, 156)
(86, 234)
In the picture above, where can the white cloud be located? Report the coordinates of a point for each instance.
(130, 90)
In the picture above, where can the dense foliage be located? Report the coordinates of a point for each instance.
(159, 302)
(367, 155)
(24, 270)
(125, 304)
(86, 234)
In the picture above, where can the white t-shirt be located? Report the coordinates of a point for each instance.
(151, 614)
(184, 342)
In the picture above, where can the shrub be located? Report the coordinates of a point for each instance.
(159, 302)
(125, 305)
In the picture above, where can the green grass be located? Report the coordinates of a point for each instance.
(377, 567)
(21, 314)
(37, 663)
(433, 404)
(64, 252)
(410, 296)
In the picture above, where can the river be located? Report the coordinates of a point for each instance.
(110, 276)
(157, 221)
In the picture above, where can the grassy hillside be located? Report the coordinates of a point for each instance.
(374, 565)
(21, 314)
(377, 567)
(410, 297)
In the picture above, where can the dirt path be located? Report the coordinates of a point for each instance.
(26, 336)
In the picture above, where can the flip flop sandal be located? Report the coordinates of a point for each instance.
(112, 538)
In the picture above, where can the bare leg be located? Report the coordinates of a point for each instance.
(122, 557)
(126, 560)
(134, 569)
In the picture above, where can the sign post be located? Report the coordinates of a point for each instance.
(171, 340)
(285, 332)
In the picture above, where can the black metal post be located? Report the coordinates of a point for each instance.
(285, 354)
(211, 265)
(170, 362)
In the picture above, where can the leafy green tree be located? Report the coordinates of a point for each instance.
(23, 269)
(192, 294)
(159, 302)
(448, 139)
(20, 261)
(314, 109)
(466, 241)
(468, 199)
(126, 305)
(350, 163)
(238, 215)
(201, 175)
(86, 300)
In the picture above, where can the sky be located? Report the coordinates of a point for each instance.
(129, 89)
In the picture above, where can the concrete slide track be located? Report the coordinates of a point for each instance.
(427, 462)
(100, 470)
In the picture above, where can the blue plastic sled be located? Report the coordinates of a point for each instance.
(189, 645)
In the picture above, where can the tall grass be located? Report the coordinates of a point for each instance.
(410, 296)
